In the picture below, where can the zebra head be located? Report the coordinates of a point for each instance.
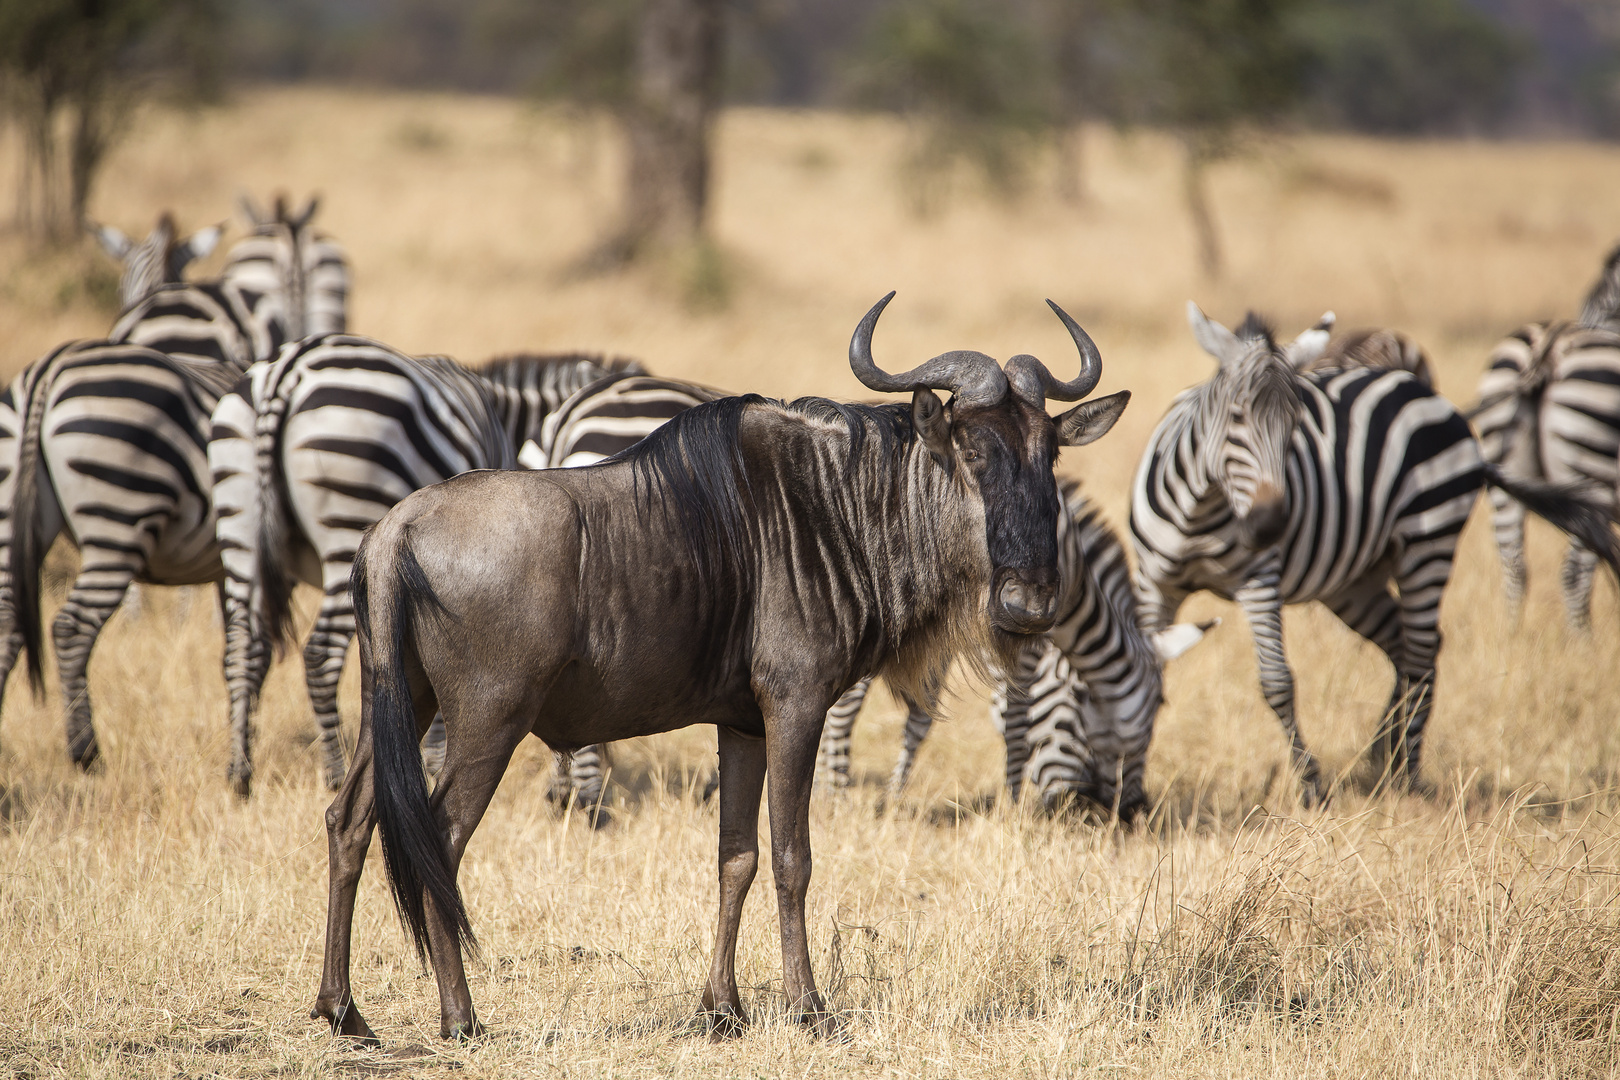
(1247, 412)
(1602, 307)
(157, 260)
(997, 445)
(301, 274)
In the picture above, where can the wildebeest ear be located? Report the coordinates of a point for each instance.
(1090, 420)
(933, 426)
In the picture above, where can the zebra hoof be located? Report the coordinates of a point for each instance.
(241, 785)
(85, 754)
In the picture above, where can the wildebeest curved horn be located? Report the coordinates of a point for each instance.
(973, 377)
(1032, 382)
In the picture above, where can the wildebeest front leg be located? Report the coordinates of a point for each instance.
(792, 738)
(742, 777)
(1263, 606)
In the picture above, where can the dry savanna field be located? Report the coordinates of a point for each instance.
(152, 926)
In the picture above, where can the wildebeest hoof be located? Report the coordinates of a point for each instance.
(347, 1023)
(825, 1025)
(461, 1030)
(725, 1022)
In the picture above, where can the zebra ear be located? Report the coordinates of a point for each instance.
(199, 244)
(302, 218)
(1311, 344)
(112, 240)
(252, 211)
(1090, 420)
(1211, 336)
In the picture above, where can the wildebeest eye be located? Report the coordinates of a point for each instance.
(969, 454)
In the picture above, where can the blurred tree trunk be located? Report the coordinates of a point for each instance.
(667, 122)
(1200, 153)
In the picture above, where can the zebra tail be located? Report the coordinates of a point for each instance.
(26, 553)
(273, 585)
(1564, 506)
(414, 849)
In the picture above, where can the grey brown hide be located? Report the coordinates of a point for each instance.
(742, 566)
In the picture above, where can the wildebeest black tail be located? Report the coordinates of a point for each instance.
(1562, 505)
(388, 601)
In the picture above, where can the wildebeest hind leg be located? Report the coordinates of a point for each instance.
(349, 824)
(742, 776)
(475, 758)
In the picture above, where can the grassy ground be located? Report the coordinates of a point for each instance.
(151, 926)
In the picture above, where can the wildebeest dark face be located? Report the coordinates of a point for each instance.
(998, 445)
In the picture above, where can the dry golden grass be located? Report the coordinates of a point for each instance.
(150, 925)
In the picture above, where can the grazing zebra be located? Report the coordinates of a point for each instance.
(157, 260)
(1549, 410)
(310, 450)
(1270, 488)
(1078, 712)
(120, 432)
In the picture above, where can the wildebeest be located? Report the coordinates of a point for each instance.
(742, 566)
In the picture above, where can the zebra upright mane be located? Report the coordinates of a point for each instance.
(509, 367)
(1257, 328)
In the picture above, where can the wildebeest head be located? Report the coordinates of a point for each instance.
(1248, 411)
(998, 445)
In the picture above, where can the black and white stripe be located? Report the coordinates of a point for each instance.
(160, 259)
(1549, 410)
(1346, 486)
(105, 441)
(310, 450)
(1077, 714)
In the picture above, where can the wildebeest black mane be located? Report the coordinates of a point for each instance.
(692, 470)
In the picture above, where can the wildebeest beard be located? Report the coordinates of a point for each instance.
(892, 549)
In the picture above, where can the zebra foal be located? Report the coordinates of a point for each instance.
(1345, 485)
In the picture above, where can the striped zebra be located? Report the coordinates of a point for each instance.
(281, 282)
(1270, 487)
(160, 259)
(1377, 348)
(1077, 714)
(105, 442)
(310, 450)
(1549, 410)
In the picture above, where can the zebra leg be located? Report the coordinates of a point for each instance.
(1421, 581)
(918, 724)
(324, 654)
(247, 660)
(1580, 564)
(433, 747)
(1009, 712)
(1507, 521)
(99, 589)
(1263, 607)
(577, 780)
(1368, 608)
(832, 759)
